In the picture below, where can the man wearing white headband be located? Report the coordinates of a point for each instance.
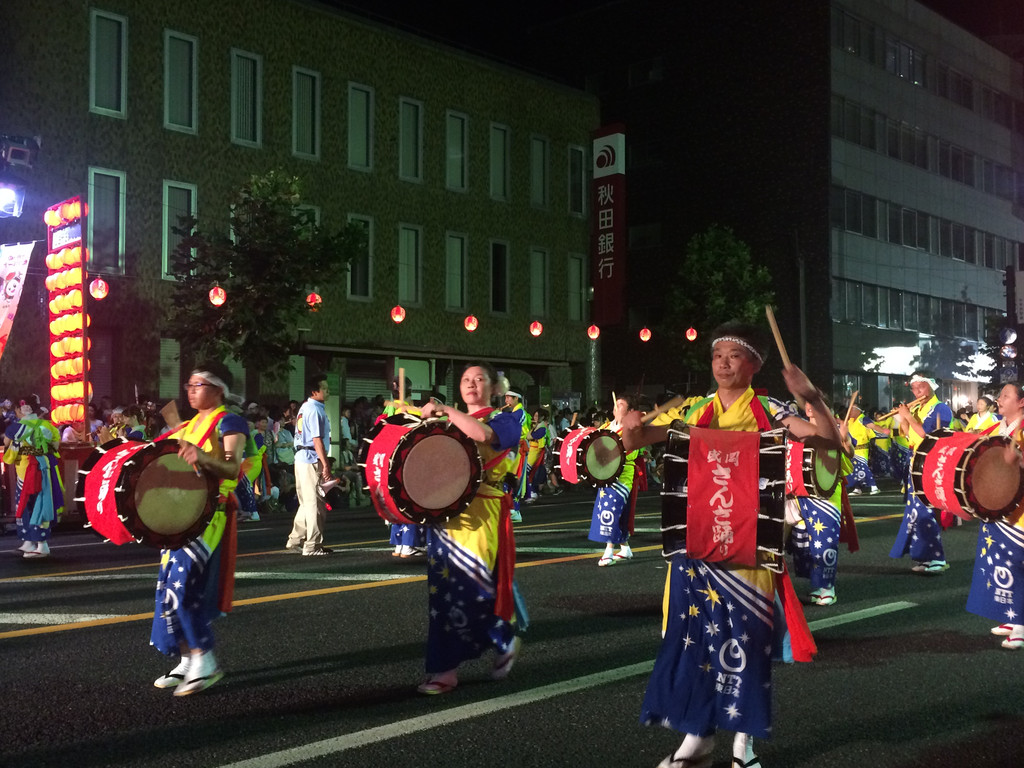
(920, 533)
(196, 582)
(514, 405)
(685, 691)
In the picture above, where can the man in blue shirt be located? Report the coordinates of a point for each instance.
(312, 437)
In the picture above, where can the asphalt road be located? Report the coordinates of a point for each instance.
(323, 655)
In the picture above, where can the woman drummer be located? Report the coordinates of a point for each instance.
(195, 582)
(471, 557)
(612, 517)
(997, 586)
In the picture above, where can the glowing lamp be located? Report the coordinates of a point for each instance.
(52, 218)
(536, 328)
(645, 334)
(691, 333)
(398, 313)
(218, 295)
(99, 289)
(593, 332)
(471, 323)
(314, 300)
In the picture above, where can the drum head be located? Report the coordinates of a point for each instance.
(437, 468)
(826, 471)
(604, 458)
(169, 497)
(995, 486)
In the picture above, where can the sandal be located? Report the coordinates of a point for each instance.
(1003, 630)
(605, 561)
(503, 664)
(619, 556)
(754, 762)
(433, 687)
(703, 761)
(1013, 643)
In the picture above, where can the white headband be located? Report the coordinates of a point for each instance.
(218, 382)
(513, 394)
(916, 378)
(745, 344)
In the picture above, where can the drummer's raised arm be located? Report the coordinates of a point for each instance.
(472, 428)
(637, 435)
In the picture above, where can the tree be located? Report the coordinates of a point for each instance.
(275, 254)
(717, 281)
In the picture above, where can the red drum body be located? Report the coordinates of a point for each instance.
(967, 474)
(420, 472)
(593, 455)
(811, 472)
(143, 492)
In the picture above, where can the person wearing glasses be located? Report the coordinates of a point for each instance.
(312, 436)
(196, 582)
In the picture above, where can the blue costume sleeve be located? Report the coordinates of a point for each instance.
(232, 422)
(507, 430)
(538, 433)
(941, 416)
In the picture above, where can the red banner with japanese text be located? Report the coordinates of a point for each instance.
(609, 234)
(723, 501)
(13, 265)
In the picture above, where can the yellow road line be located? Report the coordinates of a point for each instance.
(296, 595)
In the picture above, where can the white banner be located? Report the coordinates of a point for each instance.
(13, 264)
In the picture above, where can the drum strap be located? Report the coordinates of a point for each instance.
(756, 407)
(484, 415)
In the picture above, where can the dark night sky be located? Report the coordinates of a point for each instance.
(497, 27)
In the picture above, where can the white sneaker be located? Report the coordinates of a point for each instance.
(875, 490)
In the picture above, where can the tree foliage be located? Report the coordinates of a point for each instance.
(268, 263)
(717, 281)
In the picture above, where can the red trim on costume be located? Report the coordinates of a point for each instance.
(30, 485)
(847, 525)
(801, 640)
(756, 407)
(504, 601)
(228, 555)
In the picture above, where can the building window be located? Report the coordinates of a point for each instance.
(456, 132)
(539, 172)
(305, 113)
(360, 269)
(455, 271)
(538, 283)
(410, 144)
(179, 200)
(576, 284)
(409, 262)
(499, 277)
(577, 181)
(108, 63)
(360, 127)
(106, 220)
(499, 162)
(180, 82)
(246, 98)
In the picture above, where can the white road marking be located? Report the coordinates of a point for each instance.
(866, 613)
(53, 618)
(255, 575)
(319, 749)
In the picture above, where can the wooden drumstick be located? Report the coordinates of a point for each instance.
(853, 401)
(778, 336)
(170, 414)
(660, 409)
(401, 388)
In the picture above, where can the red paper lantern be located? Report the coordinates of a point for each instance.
(314, 300)
(99, 289)
(691, 333)
(218, 295)
(536, 328)
(593, 332)
(471, 323)
(645, 334)
(398, 313)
